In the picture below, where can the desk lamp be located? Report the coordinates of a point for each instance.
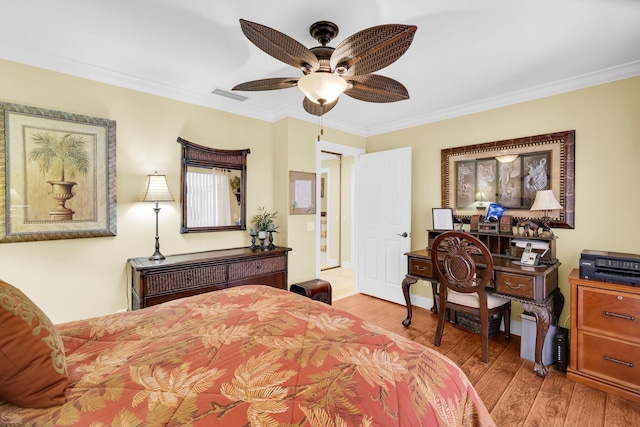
(545, 201)
(157, 191)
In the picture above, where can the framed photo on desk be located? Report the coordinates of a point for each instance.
(442, 218)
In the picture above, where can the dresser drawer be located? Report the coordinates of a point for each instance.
(256, 267)
(609, 312)
(420, 267)
(609, 359)
(171, 281)
(514, 285)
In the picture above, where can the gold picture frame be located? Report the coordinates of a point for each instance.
(302, 193)
(476, 175)
(57, 175)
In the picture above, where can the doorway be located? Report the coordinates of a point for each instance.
(335, 224)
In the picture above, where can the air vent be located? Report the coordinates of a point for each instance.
(231, 95)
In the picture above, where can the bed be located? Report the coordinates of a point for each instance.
(246, 356)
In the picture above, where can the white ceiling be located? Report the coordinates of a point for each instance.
(467, 55)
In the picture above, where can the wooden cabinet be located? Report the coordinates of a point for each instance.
(177, 276)
(605, 336)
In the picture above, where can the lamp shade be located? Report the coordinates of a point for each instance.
(321, 87)
(545, 201)
(156, 189)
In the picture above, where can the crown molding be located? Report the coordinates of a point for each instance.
(82, 70)
(607, 75)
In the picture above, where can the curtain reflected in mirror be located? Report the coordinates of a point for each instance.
(213, 195)
(212, 200)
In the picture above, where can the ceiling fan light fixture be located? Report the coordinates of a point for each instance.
(322, 88)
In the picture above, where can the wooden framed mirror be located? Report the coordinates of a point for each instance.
(213, 188)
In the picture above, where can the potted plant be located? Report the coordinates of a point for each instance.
(263, 222)
(65, 156)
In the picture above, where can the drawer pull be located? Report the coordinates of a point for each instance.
(518, 286)
(620, 362)
(619, 316)
(421, 268)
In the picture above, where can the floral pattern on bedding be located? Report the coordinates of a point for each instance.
(251, 356)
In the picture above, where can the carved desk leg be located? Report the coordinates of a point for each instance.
(552, 305)
(406, 287)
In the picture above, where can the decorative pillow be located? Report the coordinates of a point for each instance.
(33, 369)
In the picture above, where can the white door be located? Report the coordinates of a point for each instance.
(383, 222)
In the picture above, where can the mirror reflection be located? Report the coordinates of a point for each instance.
(213, 192)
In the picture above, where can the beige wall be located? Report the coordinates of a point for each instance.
(79, 278)
(72, 279)
(606, 119)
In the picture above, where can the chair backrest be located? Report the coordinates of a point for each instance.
(454, 255)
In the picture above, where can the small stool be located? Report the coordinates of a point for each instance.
(316, 289)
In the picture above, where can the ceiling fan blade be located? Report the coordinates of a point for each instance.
(280, 46)
(268, 84)
(317, 109)
(376, 88)
(372, 49)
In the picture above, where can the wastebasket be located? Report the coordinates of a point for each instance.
(528, 341)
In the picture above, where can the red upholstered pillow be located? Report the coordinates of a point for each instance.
(33, 369)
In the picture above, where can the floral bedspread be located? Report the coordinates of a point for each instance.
(251, 356)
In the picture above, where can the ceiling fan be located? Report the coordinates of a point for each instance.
(329, 72)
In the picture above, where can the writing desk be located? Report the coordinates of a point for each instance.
(535, 287)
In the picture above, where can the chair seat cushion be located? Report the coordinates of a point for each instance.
(472, 299)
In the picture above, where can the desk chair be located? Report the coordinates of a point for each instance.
(454, 255)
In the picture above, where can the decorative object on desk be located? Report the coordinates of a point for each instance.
(544, 162)
(494, 212)
(506, 224)
(442, 218)
(156, 191)
(488, 225)
(546, 201)
(460, 223)
(529, 228)
(263, 223)
(473, 224)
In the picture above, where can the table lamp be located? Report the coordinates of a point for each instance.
(157, 191)
(545, 201)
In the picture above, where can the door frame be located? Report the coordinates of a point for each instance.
(344, 150)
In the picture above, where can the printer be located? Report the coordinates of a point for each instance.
(610, 267)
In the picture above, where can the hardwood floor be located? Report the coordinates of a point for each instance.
(511, 391)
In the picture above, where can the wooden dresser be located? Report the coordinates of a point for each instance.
(605, 336)
(177, 276)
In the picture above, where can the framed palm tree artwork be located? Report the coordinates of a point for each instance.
(57, 175)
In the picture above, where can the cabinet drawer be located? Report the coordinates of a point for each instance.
(609, 312)
(420, 267)
(256, 267)
(514, 284)
(171, 281)
(610, 359)
(275, 280)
